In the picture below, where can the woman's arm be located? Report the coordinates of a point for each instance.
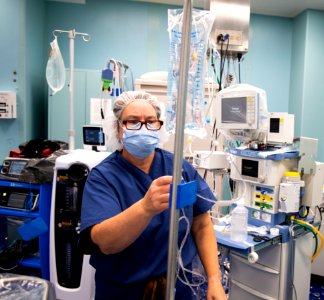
(204, 235)
(117, 233)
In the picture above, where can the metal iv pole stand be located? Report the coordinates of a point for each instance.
(178, 147)
(86, 37)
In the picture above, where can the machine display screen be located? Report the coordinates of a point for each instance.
(17, 166)
(274, 125)
(234, 110)
(17, 200)
(93, 136)
(250, 168)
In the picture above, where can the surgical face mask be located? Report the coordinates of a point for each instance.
(140, 143)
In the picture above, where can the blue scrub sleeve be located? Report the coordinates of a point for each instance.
(99, 200)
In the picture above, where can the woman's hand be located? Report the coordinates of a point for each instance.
(156, 198)
(215, 290)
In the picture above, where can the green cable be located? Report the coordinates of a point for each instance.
(311, 230)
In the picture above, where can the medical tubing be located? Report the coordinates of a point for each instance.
(300, 222)
(14, 266)
(218, 202)
(321, 218)
(179, 258)
(313, 227)
(211, 89)
(206, 199)
(180, 261)
(314, 234)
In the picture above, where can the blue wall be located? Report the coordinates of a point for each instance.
(22, 32)
(144, 44)
(279, 57)
(267, 64)
(307, 88)
(297, 70)
(132, 32)
(9, 60)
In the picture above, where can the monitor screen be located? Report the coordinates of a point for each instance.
(16, 167)
(17, 200)
(93, 136)
(250, 168)
(274, 125)
(234, 110)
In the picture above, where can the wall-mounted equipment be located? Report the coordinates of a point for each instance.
(8, 105)
(230, 31)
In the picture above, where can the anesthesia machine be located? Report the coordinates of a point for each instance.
(278, 181)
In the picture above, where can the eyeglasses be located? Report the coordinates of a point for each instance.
(137, 125)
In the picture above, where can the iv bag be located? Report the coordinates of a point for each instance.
(55, 69)
(202, 22)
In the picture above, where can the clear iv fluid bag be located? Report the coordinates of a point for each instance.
(55, 69)
(195, 106)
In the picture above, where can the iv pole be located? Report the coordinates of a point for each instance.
(86, 37)
(178, 147)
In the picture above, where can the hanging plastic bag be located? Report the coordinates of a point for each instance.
(55, 69)
(202, 22)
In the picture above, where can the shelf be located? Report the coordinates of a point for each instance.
(42, 212)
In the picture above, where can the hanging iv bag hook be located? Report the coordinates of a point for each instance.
(72, 34)
(86, 37)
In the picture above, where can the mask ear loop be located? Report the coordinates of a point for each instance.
(119, 126)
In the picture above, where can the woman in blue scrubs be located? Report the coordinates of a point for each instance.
(125, 212)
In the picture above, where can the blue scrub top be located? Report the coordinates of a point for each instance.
(113, 186)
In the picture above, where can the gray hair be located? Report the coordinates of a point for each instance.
(111, 126)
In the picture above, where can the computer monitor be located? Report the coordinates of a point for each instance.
(93, 136)
(237, 110)
(241, 107)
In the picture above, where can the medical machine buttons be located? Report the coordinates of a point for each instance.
(256, 214)
(250, 110)
(266, 218)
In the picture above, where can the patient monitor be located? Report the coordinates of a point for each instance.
(93, 138)
(241, 112)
